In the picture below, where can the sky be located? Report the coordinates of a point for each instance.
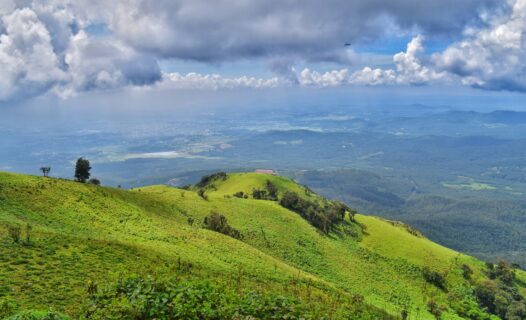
(246, 52)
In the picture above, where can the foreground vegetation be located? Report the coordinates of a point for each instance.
(234, 246)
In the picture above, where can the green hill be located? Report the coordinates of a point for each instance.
(99, 253)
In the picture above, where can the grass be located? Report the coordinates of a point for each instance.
(83, 233)
(468, 184)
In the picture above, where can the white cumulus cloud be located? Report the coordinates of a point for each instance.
(28, 62)
(493, 57)
(215, 81)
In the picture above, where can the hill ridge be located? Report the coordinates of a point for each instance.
(157, 227)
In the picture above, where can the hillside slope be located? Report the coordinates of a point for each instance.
(82, 234)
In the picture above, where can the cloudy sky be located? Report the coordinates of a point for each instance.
(63, 49)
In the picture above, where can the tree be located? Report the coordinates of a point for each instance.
(45, 171)
(82, 170)
(272, 190)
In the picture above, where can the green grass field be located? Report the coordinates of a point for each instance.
(83, 233)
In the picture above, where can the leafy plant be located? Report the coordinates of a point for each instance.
(218, 223)
(206, 180)
(15, 232)
(38, 315)
(434, 277)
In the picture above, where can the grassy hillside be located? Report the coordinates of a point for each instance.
(81, 235)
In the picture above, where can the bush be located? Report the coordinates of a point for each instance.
(202, 194)
(272, 190)
(240, 194)
(218, 223)
(38, 315)
(150, 298)
(501, 271)
(434, 277)
(259, 194)
(7, 307)
(269, 193)
(435, 309)
(206, 180)
(467, 272)
(15, 232)
(94, 181)
(324, 217)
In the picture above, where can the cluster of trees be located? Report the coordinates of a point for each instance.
(324, 217)
(269, 193)
(218, 223)
(499, 295)
(206, 180)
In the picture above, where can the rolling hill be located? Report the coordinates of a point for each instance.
(93, 252)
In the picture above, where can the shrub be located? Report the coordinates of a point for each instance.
(94, 181)
(467, 272)
(259, 194)
(435, 309)
(272, 190)
(239, 194)
(15, 232)
(150, 298)
(202, 194)
(206, 180)
(38, 315)
(501, 271)
(218, 223)
(269, 193)
(7, 307)
(28, 233)
(324, 217)
(434, 277)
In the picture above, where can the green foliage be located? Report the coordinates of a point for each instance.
(15, 232)
(202, 193)
(434, 277)
(81, 232)
(7, 307)
(467, 272)
(435, 308)
(241, 195)
(500, 296)
(38, 315)
(207, 180)
(501, 271)
(272, 190)
(150, 298)
(461, 300)
(324, 217)
(94, 181)
(82, 170)
(259, 194)
(218, 223)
